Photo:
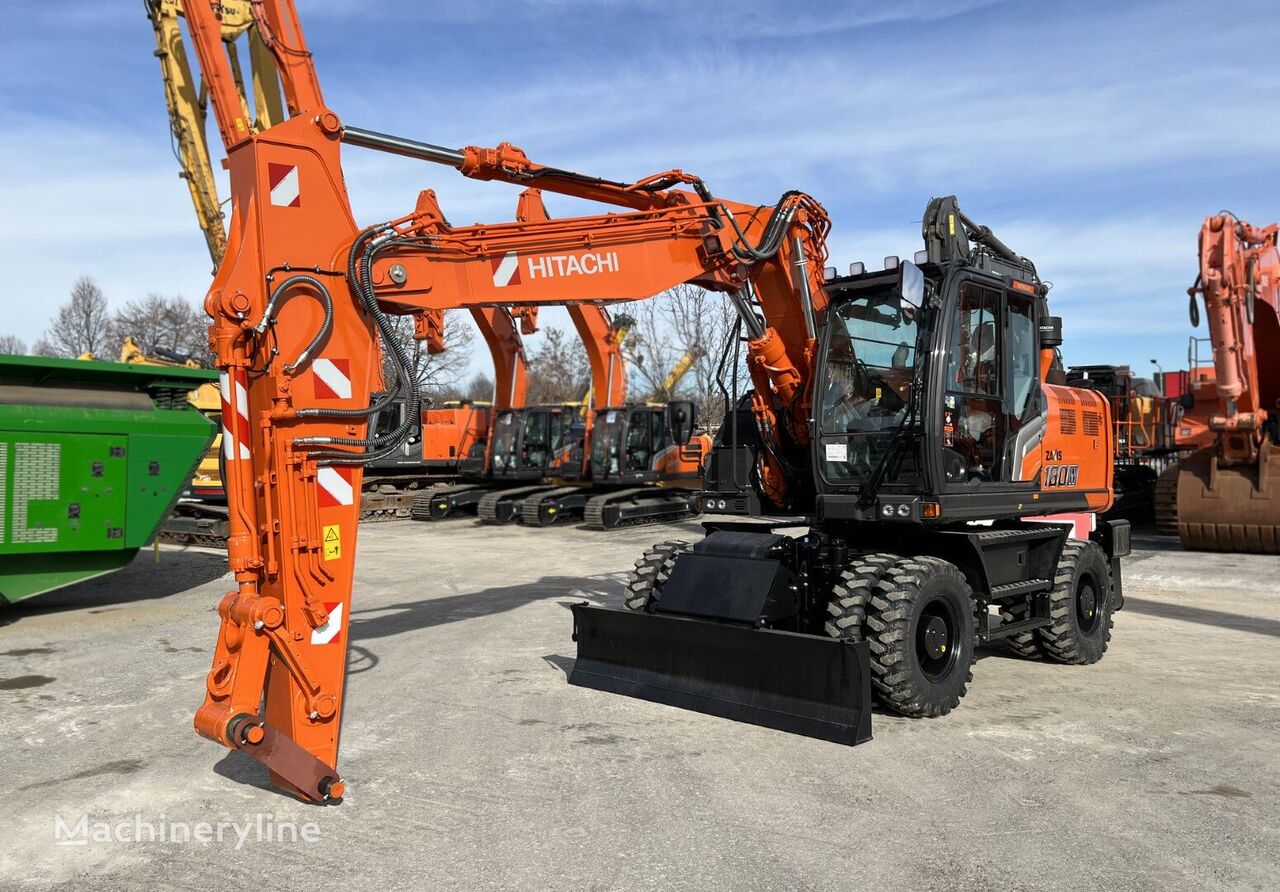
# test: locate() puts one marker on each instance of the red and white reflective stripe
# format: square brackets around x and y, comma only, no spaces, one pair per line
[506,270]
[283,181]
[333,379]
[1081,523]
[333,628]
[337,487]
[235,422]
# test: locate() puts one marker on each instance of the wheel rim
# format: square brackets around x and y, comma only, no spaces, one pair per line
[936,640]
[1088,609]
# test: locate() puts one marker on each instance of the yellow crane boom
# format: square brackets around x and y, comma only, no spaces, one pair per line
[187,101]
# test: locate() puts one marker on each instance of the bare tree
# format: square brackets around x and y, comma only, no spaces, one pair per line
[436,374]
[168,323]
[685,320]
[42,347]
[80,325]
[12,345]
[558,369]
[480,388]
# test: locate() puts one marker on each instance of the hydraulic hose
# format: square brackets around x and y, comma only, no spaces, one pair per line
[278,297]
[359,267]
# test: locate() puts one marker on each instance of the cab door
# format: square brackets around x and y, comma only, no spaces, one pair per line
[639,440]
[991,393]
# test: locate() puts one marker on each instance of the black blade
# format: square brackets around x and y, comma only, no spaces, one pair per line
[804,684]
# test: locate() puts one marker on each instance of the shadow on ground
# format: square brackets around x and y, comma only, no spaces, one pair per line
[409,616]
[1204,616]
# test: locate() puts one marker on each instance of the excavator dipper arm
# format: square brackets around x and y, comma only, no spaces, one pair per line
[300,308]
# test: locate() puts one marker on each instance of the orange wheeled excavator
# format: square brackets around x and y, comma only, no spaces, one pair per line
[899,419]
[1225,496]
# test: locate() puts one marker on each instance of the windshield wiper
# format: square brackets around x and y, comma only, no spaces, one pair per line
[870,489]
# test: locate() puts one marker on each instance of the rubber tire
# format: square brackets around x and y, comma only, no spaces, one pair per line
[892,621]
[851,593]
[653,569]
[1064,641]
[1025,644]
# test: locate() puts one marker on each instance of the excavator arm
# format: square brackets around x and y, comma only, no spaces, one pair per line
[1239,269]
[300,307]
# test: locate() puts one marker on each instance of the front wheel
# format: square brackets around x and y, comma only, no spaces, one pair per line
[644,583]
[1079,605]
[921,632]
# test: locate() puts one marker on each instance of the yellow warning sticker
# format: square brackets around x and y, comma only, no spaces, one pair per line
[332,542]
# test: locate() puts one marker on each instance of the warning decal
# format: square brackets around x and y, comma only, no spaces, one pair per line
[332,378]
[330,630]
[506,269]
[282,179]
[336,487]
[332,542]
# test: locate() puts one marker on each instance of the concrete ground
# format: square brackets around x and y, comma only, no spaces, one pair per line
[471,763]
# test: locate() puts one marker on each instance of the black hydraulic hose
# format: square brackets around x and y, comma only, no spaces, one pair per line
[384,444]
[326,327]
[774,232]
[390,395]
[721,366]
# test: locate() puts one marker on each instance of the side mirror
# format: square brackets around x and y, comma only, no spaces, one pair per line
[1187,401]
[911,284]
[681,418]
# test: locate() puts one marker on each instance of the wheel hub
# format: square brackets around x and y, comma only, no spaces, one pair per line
[937,641]
[1087,606]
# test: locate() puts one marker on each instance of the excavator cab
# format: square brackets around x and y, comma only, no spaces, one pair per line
[981,394]
[641,444]
[533,442]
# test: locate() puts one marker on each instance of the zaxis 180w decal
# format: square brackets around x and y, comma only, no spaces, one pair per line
[1061,475]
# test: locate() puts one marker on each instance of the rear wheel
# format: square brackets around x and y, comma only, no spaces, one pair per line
[851,593]
[1079,605]
[1024,644]
[920,628]
[644,583]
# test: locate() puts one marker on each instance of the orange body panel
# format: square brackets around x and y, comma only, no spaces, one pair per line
[681,464]
[448,434]
[1077,452]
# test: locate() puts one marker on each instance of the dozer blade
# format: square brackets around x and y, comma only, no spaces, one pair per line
[804,684]
[1229,508]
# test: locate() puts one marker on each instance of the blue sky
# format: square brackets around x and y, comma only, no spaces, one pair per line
[1093,137]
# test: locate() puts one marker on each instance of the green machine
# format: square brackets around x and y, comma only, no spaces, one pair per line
[93,456]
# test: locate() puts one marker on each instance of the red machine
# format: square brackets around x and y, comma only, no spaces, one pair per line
[1228,490]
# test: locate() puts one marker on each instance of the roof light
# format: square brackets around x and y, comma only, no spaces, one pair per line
[829,273]
[891,262]
[921,257]
[857,269]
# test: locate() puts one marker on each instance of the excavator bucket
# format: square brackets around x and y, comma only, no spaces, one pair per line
[804,684]
[1230,508]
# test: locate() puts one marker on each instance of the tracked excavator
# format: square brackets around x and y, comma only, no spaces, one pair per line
[898,418]
[1225,495]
